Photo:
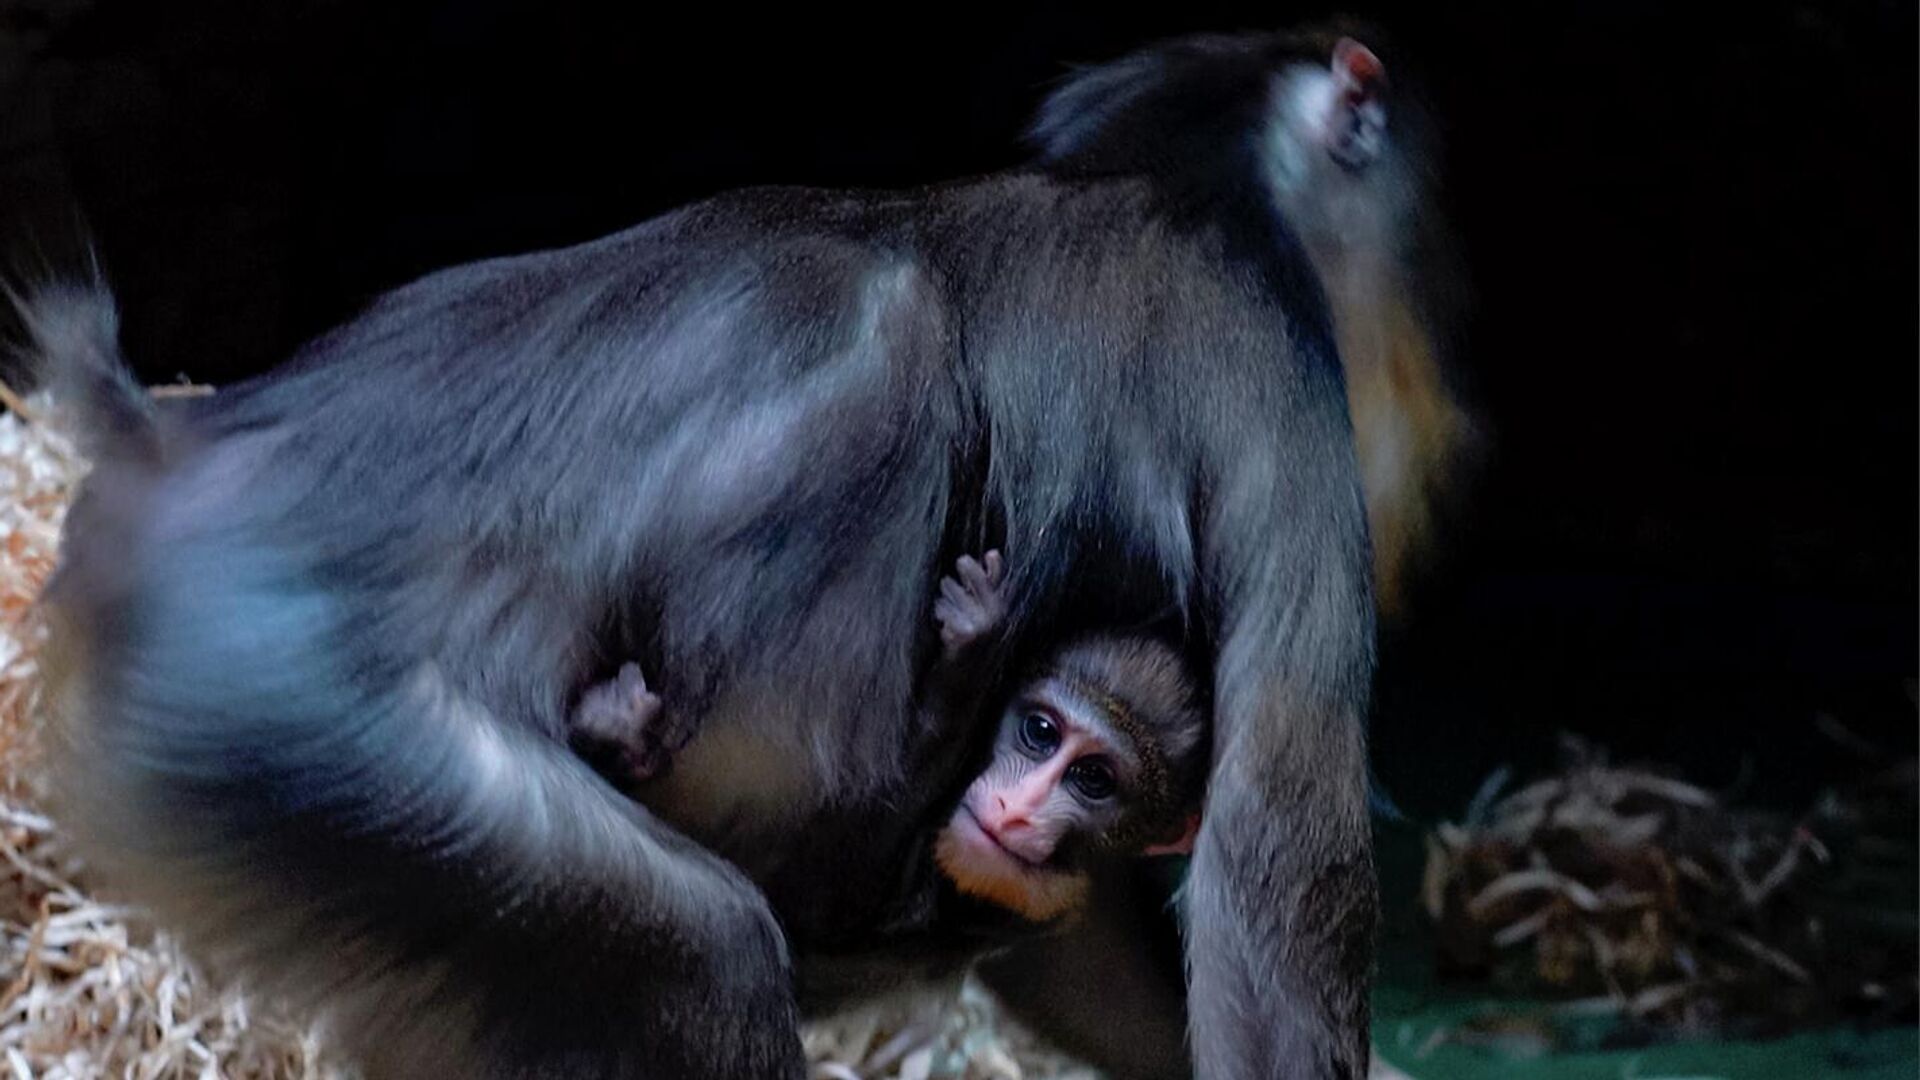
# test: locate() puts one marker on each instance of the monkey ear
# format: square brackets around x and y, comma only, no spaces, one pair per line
[1359,115]
[1181,846]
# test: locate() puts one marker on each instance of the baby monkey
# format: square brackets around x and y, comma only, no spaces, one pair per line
[1097,751]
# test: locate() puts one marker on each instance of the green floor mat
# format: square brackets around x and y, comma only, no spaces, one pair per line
[1424,1039]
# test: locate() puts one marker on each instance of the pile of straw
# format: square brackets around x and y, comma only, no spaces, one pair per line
[1643,896]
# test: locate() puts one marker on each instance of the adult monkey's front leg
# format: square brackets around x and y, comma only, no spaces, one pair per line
[1281,899]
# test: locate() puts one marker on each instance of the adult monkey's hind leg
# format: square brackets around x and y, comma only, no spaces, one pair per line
[455,893]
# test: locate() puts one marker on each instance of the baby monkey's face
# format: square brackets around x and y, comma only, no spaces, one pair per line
[1062,781]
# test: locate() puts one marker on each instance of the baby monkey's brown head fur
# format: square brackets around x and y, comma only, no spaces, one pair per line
[1099,751]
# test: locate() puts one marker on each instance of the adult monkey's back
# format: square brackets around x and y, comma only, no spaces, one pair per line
[318,632]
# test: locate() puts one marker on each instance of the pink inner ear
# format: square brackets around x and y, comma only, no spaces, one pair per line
[1358,70]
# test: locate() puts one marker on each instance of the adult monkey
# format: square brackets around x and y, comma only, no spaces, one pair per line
[319,633]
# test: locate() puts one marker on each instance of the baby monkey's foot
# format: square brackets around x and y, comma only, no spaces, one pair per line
[972,606]
[618,728]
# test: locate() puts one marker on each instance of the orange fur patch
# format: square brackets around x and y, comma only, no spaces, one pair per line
[1040,895]
[1408,433]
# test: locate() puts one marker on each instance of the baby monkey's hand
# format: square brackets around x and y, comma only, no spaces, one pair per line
[971,607]
[619,728]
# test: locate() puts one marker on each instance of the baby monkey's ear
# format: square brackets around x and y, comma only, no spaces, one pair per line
[1183,845]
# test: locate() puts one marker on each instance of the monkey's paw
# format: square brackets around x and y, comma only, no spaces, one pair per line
[620,729]
[972,606]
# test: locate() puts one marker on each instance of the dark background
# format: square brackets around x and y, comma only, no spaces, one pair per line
[1691,239]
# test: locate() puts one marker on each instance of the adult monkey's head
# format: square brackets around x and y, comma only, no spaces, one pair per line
[1315,122]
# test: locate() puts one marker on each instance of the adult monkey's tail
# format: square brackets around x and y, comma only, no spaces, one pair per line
[73,348]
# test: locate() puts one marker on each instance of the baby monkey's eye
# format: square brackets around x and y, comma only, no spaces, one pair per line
[1040,734]
[1093,778]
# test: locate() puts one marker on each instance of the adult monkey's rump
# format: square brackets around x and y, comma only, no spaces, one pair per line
[318,634]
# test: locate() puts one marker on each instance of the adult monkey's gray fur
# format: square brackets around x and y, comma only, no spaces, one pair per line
[318,633]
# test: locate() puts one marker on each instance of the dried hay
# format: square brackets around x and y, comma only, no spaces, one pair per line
[1643,897]
[90,989]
